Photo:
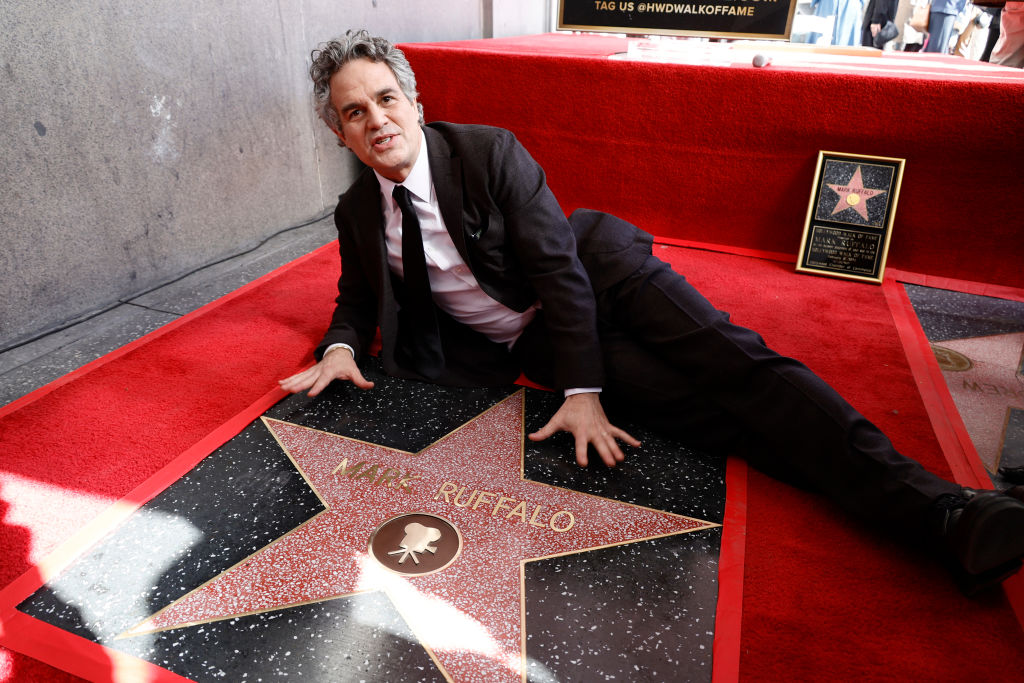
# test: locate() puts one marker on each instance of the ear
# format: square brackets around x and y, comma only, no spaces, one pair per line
[341,136]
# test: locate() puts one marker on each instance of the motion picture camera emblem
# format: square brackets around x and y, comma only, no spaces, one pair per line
[415,544]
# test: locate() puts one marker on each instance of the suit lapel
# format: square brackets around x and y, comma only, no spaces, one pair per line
[446,173]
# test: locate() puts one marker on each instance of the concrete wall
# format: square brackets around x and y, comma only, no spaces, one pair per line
[141,140]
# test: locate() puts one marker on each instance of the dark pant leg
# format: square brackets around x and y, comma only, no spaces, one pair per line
[790,416]
[639,386]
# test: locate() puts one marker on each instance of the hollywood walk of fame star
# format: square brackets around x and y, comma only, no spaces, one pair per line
[985,387]
[469,614]
[854,195]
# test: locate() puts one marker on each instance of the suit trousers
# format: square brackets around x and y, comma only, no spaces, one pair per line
[675,363]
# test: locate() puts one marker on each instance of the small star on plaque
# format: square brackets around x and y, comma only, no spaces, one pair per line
[854,195]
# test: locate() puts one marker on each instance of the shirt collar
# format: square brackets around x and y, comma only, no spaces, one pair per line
[419,180]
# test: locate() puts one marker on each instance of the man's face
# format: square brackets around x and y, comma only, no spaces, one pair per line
[378,122]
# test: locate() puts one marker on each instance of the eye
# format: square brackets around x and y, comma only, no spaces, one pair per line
[388,99]
[354,114]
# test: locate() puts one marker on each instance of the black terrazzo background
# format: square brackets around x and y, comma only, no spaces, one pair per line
[638,612]
[653,603]
[661,474]
[946,315]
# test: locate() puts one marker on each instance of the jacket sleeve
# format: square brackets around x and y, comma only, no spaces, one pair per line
[544,247]
[354,321]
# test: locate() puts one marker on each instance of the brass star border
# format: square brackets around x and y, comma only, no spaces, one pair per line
[470,615]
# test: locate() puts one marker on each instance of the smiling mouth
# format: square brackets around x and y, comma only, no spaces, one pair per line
[383,141]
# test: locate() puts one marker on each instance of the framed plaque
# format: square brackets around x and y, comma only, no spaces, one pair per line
[849,220]
[760,19]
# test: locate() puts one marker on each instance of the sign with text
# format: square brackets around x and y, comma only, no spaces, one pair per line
[764,19]
[849,220]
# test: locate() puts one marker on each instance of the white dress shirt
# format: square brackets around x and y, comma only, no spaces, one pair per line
[454,287]
[452,284]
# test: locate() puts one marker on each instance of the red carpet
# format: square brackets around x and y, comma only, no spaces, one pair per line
[824,599]
[726,154]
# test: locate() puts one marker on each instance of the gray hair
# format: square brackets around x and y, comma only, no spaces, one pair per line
[329,57]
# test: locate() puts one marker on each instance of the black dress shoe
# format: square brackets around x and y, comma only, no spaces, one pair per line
[1014,475]
[984,533]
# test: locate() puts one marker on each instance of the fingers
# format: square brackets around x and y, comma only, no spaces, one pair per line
[584,418]
[625,436]
[299,381]
[545,431]
[322,380]
[310,378]
[606,446]
[360,381]
[581,451]
[552,427]
[339,364]
[316,378]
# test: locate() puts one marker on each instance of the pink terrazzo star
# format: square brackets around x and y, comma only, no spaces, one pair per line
[854,195]
[985,391]
[469,615]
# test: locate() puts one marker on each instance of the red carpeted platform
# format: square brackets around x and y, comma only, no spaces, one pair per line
[721,152]
[822,598]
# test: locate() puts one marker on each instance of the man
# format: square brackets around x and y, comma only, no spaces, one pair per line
[941,20]
[452,244]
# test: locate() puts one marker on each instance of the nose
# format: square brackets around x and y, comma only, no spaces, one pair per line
[376,117]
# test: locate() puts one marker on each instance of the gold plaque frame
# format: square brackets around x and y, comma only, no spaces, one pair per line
[850,216]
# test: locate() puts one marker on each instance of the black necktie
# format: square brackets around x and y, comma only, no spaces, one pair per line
[418,339]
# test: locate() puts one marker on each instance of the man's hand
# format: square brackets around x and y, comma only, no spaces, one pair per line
[336,364]
[583,416]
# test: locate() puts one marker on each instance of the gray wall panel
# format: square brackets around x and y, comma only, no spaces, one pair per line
[142,140]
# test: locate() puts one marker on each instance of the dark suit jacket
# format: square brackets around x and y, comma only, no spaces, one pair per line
[511,232]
